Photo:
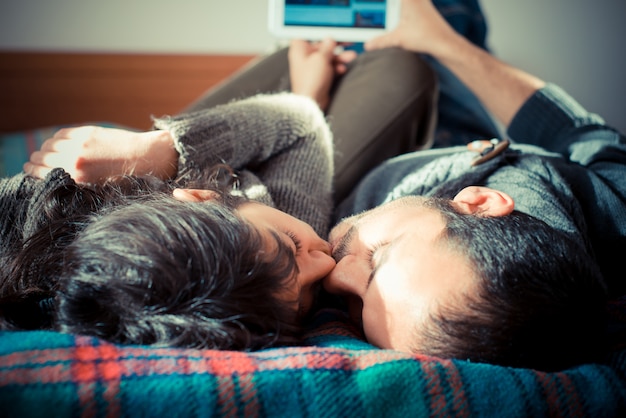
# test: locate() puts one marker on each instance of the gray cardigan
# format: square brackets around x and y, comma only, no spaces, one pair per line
[281,145]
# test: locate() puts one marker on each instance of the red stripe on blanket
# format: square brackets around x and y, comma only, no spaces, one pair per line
[249,396]
[99,370]
[93,361]
[445,387]
[237,396]
[459,400]
[92,406]
[35,358]
[226,396]
[374,357]
[560,394]
[571,395]
[31,373]
[320,358]
[229,363]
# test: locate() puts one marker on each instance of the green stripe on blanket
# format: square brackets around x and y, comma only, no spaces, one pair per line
[44,373]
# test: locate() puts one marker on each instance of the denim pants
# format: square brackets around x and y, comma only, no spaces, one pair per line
[461,116]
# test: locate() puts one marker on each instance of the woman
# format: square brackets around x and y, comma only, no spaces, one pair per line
[212,267]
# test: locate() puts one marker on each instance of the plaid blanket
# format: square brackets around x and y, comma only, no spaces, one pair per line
[337,375]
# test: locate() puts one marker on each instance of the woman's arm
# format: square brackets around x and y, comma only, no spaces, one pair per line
[92,154]
[283,140]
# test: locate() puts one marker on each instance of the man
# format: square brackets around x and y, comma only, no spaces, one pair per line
[488,253]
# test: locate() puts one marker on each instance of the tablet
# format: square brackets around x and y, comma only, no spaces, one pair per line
[341,20]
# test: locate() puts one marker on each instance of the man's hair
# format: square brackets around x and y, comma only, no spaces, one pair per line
[540,299]
[170,273]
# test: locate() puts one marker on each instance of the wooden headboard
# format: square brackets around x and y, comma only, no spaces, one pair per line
[43,89]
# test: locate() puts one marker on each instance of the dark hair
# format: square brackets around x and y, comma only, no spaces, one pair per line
[170,273]
[44,224]
[540,300]
[44,217]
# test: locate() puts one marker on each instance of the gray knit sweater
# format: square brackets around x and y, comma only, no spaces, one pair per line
[575,182]
[280,144]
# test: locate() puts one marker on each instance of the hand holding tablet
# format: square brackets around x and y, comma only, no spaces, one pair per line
[341,20]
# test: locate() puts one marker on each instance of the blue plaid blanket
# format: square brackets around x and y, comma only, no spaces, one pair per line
[335,375]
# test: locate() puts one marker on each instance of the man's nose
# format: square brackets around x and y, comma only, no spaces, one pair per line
[347,278]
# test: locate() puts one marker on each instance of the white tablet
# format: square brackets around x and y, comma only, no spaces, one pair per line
[341,20]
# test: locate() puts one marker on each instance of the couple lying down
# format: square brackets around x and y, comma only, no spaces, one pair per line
[498,256]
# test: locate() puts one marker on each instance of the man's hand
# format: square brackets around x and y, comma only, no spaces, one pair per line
[91,154]
[313,66]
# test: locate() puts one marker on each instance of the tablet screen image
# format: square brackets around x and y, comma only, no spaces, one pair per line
[343,20]
[336,13]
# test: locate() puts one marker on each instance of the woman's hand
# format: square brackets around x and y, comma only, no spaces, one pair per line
[91,154]
[313,66]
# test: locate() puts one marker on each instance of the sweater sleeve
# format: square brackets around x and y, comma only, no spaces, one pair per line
[594,164]
[281,140]
[555,121]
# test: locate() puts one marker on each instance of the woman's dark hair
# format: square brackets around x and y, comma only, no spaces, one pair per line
[170,273]
[540,300]
[130,264]
[42,226]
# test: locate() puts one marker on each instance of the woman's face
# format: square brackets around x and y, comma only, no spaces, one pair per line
[312,253]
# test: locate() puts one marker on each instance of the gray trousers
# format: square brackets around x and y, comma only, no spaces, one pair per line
[385,105]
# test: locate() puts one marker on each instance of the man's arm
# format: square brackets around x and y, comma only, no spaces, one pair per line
[503,89]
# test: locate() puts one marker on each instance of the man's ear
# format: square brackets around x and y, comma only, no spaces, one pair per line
[484,201]
[194,195]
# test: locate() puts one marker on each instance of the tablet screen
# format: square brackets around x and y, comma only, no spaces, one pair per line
[336,13]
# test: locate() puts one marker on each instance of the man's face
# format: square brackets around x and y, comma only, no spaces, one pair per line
[394,269]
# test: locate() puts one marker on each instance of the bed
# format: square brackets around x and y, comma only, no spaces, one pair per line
[333,373]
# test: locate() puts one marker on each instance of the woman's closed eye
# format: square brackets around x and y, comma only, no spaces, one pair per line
[296,241]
